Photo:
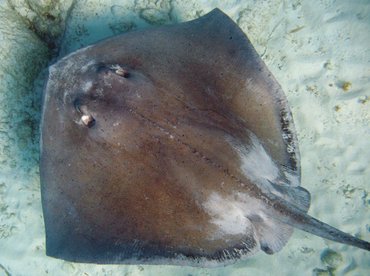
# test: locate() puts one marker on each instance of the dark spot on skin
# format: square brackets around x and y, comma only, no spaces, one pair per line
[266,249]
[100,67]
[50,16]
[255,218]
[77,104]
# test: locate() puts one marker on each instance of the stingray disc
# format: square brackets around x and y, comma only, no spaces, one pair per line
[167,145]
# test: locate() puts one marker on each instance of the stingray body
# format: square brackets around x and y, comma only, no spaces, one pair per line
[170,145]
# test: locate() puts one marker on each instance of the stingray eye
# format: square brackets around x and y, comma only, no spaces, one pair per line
[113,68]
[86,118]
[120,71]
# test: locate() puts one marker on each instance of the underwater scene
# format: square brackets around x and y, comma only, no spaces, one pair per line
[250,120]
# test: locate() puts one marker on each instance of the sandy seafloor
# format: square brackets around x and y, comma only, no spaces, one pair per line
[318,50]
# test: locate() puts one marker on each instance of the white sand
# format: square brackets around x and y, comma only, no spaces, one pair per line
[312,48]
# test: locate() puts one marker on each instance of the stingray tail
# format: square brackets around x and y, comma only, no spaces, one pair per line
[299,219]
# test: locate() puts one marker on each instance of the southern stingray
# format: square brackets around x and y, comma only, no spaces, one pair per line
[171,145]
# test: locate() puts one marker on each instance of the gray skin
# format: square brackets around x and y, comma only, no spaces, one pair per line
[140,130]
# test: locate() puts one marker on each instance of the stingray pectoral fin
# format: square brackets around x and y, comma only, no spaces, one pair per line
[297,218]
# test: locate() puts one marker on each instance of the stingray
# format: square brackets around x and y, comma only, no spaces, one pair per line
[171,145]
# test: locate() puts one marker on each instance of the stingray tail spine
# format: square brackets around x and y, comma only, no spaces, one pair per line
[299,219]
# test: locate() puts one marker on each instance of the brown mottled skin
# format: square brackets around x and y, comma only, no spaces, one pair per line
[130,184]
